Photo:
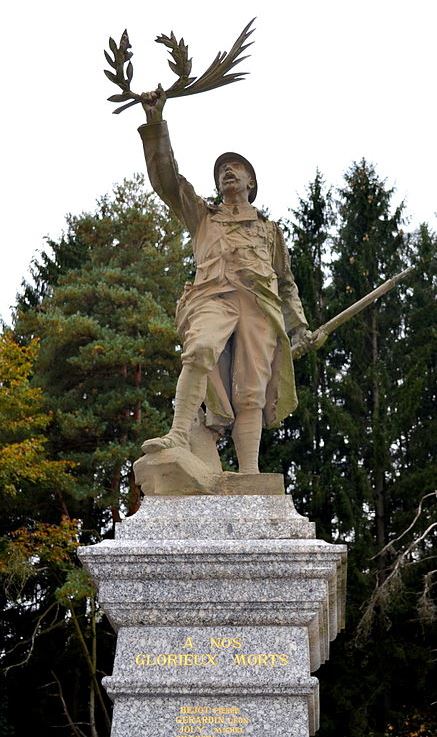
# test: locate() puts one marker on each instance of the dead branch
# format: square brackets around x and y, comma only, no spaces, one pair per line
[381,592]
[31,639]
[75,729]
[410,527]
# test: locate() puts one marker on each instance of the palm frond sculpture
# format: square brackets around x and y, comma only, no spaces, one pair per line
[218,73]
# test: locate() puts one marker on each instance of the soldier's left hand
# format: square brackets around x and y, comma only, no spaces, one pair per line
[301,336]
[319,339]
[300,341]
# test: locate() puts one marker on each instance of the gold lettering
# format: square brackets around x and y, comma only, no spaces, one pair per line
[217,721]
[195,709]
[176,659]
[145,659]
[225,642]
[263,659]
[260,659]
[188,643]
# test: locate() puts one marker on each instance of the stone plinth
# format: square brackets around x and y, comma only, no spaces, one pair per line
[216,518]
[224,606]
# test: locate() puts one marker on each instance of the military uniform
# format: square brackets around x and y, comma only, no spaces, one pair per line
[235,317]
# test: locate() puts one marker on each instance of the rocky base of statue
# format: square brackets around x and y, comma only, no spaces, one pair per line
[224,606]
[176,471]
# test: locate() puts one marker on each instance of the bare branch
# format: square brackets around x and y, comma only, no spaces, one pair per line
[76,730]
[32,639]
[410,527]
[381,592]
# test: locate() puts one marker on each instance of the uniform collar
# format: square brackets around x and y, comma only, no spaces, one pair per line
[235,213]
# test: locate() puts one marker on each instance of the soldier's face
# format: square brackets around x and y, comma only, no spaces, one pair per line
[234,178]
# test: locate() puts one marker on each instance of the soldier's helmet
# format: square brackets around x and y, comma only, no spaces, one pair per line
[232,156]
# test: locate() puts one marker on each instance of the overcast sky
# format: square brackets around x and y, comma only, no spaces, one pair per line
[330,81]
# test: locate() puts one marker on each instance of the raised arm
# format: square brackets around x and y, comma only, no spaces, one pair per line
[162,168]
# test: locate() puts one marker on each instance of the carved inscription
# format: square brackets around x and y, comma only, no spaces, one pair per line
[223,648]
[176,659]
[210,721]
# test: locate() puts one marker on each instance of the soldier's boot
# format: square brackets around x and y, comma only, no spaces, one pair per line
[190,393]
[246,435]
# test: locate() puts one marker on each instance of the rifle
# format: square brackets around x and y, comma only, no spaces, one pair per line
[319,336]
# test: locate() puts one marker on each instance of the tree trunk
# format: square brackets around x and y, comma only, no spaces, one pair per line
[134,499]
[378,453]
[91,667]
[115,488]
[137,379]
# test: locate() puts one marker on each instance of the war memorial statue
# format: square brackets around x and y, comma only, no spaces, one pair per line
[224,600]
[235,319]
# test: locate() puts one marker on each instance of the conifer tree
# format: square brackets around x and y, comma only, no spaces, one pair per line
[108,358]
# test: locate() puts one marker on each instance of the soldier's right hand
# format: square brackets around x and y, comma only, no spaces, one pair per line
[153,104]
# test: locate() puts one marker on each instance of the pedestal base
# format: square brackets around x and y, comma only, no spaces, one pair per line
[224,606]
[211,681]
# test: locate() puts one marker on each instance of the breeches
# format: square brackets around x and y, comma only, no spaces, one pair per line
[212,322]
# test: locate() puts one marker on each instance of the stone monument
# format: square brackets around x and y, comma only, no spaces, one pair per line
[223,599]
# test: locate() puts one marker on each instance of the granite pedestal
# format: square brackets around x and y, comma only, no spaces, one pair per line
[224,606]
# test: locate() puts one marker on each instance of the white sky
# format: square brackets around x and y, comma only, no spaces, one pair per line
[330,81]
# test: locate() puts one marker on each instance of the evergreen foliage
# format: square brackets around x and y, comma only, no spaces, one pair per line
[108,358]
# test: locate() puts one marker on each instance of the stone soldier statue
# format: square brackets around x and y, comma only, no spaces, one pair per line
[235,319]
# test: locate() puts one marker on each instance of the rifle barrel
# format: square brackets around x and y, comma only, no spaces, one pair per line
[364,302]
[297,351]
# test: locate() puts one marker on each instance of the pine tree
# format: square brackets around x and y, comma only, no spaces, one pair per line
[108,359]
